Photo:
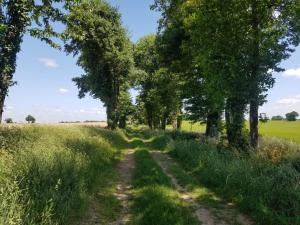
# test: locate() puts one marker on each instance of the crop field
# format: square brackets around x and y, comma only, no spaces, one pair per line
[280,129]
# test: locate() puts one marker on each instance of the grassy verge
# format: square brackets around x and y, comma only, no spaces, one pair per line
[47,173]
[266,189]
[155,201]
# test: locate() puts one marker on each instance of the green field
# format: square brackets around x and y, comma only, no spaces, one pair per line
[281,129]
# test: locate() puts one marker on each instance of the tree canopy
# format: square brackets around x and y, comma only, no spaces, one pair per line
[292,116]
[232,48]
[94,32]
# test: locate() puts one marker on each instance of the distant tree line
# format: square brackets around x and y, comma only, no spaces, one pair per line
[210,60]
[291,116]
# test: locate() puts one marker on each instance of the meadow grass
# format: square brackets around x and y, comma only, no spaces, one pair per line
[47,173]
[267,190]
[155,200]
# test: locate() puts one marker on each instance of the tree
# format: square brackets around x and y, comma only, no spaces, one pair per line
[159,87]
[203,97]
[277,118]
[292,116]
[146,61]
[94,32]
[125,109]
[16,19]
[273,30]
[8,120]
[30,119]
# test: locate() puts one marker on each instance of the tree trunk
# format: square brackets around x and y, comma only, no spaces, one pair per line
[254,95]
[235,109]
[2,100]
[163,124]
[179,122]
[112,121]
[122,123]
[1,108]
[254,123]
[150,120]
[164,120]
[212,124]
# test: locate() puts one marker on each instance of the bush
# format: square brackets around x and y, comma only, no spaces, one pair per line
[46,172]
[268,190]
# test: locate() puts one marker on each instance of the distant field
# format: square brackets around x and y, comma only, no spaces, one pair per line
[282,129]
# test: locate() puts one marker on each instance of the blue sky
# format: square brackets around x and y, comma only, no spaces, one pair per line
[46,91]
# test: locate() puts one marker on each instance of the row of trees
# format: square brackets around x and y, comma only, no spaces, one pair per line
[225,53]
[210,58]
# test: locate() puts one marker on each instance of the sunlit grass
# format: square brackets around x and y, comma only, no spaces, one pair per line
[264,186]
[49,173]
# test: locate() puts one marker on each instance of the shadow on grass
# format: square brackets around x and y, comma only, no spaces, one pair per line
[199,192]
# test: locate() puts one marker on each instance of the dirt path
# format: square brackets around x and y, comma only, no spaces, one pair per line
[125,169]
[207,216]
[92,216]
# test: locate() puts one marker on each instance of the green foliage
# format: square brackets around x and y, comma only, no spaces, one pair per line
[125,108]
[155,201]
[30,119]
[229,59]
[267,190]
[159,87]
[47,172]
[8,120]
[277,118]
[95,33]
[292,116]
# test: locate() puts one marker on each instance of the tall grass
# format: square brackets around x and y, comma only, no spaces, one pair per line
[265,184]
[47,172]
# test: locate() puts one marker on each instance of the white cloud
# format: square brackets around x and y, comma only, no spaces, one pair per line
[63,90]
[47,62]
[288,101]
[92,111]
[292,73]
